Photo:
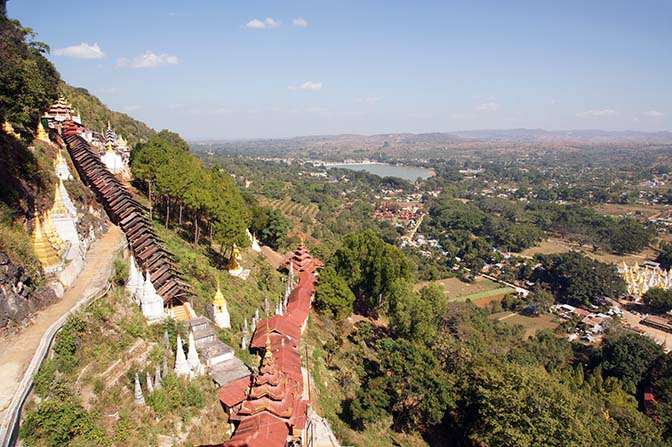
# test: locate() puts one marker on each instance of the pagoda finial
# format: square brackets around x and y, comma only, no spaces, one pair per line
[109,147]
[108,125]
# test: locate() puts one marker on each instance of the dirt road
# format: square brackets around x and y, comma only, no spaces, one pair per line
[17,351]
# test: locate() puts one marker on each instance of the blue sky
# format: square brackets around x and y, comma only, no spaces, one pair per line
[248,69]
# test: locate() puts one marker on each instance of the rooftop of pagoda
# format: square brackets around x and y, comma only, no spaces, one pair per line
[302,260]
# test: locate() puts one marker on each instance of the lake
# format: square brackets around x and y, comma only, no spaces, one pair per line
[410,173]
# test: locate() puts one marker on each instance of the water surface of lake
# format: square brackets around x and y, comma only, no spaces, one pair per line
[410,173]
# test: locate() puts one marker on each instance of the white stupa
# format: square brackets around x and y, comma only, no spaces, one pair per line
[182,368]
[151,303]
[61,167]
[194,362]
[253,241]
[112,161]
[135,281]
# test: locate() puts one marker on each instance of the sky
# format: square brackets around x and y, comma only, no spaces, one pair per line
[230,69]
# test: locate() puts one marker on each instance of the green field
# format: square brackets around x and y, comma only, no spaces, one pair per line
[484,294]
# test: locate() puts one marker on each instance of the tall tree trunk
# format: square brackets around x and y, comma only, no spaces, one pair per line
[211,231]
[195,229]
[180,222]
[167,210]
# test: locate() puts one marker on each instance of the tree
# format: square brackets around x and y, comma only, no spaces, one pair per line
[629,236]
[28,81]
[333,297]
[576,278]
[369,266]
[665,256]
[628,357]
[406,382]
[658,298]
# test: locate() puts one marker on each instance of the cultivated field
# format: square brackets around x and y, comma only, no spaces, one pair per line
[290,208]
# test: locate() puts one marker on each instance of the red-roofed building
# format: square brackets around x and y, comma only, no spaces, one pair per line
[272,412]
[233,394]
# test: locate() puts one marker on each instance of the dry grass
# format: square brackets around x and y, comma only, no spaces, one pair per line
[555,245]
[456,288]
[530,324]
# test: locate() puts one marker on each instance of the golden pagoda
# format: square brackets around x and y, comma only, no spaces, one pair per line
[52,235]
[220,313]
[41,134]
[43,250]
[59,208]
[9,129]
[219,302]
[234,264]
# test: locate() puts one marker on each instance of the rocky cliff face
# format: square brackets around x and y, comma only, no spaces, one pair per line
[18,300]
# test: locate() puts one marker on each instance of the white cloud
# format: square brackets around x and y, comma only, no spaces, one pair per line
[132,108]
[597,113]
[489,106]
[172,14]
[269,22]
[370,99]
[315,109]
[148,60]
[81,51]
[300,22]
[654,114]
[308,85]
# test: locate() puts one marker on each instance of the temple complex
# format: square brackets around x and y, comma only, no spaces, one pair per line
[640,279]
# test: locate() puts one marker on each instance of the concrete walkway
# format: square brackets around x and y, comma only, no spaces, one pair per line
[17,351]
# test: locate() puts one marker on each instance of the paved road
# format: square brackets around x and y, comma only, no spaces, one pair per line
[17,351]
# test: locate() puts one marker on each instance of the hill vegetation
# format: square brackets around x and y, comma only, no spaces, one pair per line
[96,115]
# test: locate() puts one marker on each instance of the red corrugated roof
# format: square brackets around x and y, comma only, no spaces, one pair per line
[234,392]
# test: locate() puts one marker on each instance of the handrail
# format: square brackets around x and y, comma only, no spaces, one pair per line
[9,426]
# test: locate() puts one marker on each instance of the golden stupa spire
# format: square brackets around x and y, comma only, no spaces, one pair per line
[41,134]
[43,250]
[219,299]
[59,208]
[50,232]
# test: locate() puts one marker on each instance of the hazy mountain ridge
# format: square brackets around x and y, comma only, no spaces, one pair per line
[403,144]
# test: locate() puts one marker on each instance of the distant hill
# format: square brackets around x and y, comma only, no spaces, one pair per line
[429,145]
[95,115]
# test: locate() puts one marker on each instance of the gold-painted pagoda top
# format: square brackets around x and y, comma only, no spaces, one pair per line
[219,299]
[59,208]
